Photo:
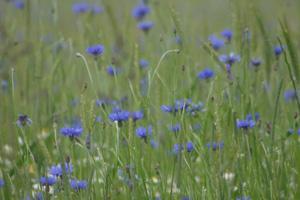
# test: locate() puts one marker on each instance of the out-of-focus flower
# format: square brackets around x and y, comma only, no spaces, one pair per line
[216,42]
[145,26]
[205,74]
[140,11]
[23,120]
[95,50]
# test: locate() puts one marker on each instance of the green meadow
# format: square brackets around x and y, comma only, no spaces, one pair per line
[149,99]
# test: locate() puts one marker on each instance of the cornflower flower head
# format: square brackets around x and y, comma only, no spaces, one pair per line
[189,146]
[118,115]
[153,144]
[206,74]
[195,107]
[227,34]
[137,115]
[4,85]
[78,184]
[145,26]
[278,50]
[143,63]
[215,145]
[57,170]
[175,128]
[182,104]
[47,181]
[113,71]
[290,95]
[143,132]
[167,109]
[245,124]
[177,148]
[95,50]
[23,120]
[255,62]
[230,59]
[216,42]
[96,9]
[2,183]
[140,11]
[73,131]
[82,7]
[19,4]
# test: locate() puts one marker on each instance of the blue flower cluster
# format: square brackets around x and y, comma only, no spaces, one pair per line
[177,148]
[139,12]
[83,7]
[248,122]
[183,105]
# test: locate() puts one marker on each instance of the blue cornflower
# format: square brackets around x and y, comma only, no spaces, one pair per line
[106,102]
[178,40]
[227,34]
[229,59]
[57,170]
[278,49]
[299,131]
[72,131]
[95,50]
[195,107]
[47,181]
[189,146]
[119,115]
[215,145]
[153,144]
[143,132]
[81,7]
[137,115]
[39,196]
[19,4]
[256,62]
[98,119]
[113,71]
[1,182]
[96,9]
[175,128]
[216,42]
[245,124]
[290,95]
[143,63]
[4,85]
[140,11]
[78,184]
[182,104]
[249,117]
[205,74]
[166,108]
[23,120]
[177,148]
[145,26]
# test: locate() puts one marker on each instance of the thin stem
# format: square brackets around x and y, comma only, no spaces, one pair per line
[88,69]
[158,65]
